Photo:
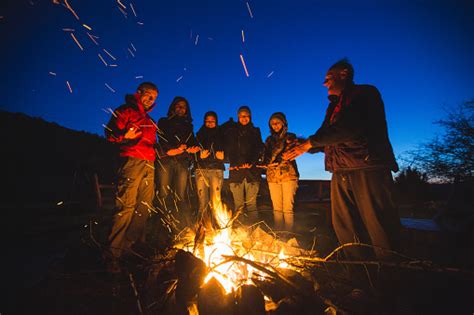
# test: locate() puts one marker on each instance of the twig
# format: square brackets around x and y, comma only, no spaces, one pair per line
[365,245]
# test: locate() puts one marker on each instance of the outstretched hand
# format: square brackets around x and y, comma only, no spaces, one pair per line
[204,154]
[132,133]
[192,150]
[177,151]
[297,151]
[220,155]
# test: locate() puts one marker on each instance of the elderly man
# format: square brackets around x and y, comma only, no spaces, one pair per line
[358,152]
[134,131]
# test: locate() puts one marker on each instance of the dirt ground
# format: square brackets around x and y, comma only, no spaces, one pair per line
[53,268]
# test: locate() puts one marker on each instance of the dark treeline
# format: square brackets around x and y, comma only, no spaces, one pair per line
[44,161]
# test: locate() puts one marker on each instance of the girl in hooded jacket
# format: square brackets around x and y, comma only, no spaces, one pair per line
[209,170]
[282,175]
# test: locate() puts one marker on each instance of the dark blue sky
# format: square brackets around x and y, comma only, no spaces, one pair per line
[418,53]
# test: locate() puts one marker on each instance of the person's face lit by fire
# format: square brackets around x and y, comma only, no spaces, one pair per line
[276,124]
[180,108]
[210,122]
[335,81]
[147,97]
[244,118]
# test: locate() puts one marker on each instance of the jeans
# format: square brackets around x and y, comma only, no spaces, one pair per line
[209,185]
[245,194]
[283,197]
[172,183]
[134,197]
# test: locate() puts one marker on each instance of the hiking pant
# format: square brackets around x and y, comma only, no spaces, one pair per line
[208,184]
[283,197]
[134,196]
[245,194]
[363,211]
[172,182]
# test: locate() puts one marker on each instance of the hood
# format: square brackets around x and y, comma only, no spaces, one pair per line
[279,116]
[213,114]
[172,105]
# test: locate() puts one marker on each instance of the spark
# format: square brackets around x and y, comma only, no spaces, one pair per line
[197,39]
[140,23]
[243,37]
[179,79]
[243,64]
[123,12]
[60,203]
[108,86]
[69,30]
[150,166]
[190,134]
[270,74]
[131,53]
[250,10]
[121,4]
[210,38]
[87,26]
[110,55]
[92,37]
[71,9]
[161,164]
[139,77]
[106,127]
[77,42]
[112,112]
[69,86]
[105,63]
[133,9]
[133,47]
[161,137]
[113,65]
[52,73]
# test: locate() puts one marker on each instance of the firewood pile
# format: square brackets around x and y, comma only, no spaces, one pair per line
[272,278]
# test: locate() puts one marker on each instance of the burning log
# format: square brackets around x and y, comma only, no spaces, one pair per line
[191,272]
[213,300]
[249,301]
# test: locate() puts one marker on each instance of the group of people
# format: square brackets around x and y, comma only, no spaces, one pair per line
[353,137]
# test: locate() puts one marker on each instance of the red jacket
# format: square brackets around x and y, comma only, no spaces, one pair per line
[133,114]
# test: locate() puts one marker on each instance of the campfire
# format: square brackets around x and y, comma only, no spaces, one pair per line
[233,268]
[218,247]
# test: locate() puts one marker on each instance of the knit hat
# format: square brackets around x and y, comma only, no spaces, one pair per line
[244,108]
[210,113]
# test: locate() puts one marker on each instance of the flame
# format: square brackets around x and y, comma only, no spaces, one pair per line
[228,242]
[229,274]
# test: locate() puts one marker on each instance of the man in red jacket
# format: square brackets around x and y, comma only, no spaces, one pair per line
[358,152]
[134,131]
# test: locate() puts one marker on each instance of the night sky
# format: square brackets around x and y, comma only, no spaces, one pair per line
[420,55]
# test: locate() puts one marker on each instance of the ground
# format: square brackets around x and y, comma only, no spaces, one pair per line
[54,268]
